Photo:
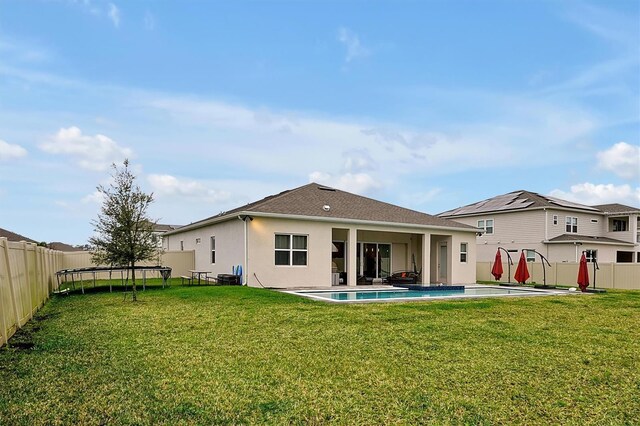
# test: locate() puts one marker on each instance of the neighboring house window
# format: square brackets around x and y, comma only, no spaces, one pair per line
[571,224]
[486,226]
[618,225]
[594,220]
[198,240]
[555,219]
[291,250]
[181,245]
[591,255]
[463,252]
[531,256]
[213,249]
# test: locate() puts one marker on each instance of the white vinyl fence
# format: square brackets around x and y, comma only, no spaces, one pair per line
[611,275]
[27,278]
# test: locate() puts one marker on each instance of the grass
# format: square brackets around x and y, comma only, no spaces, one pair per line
[235,355]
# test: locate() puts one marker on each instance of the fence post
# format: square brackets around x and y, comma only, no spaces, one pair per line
[28,278]
[3,322]
[12,290]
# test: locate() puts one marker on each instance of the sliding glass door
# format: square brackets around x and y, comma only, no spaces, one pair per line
[374,260]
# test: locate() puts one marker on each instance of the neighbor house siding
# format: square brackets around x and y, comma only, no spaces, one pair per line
[514,230]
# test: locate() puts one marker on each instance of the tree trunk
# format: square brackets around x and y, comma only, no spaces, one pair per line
[134,296]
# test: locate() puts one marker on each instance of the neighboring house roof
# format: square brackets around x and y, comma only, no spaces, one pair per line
[516,200]
[12,236]
[312,200]
[56,245]
[616,208]
[573,238]
[159,227]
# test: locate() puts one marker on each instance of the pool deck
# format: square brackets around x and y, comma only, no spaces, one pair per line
[526,292]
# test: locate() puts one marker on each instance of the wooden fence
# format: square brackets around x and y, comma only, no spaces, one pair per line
[611,275]
[27,278]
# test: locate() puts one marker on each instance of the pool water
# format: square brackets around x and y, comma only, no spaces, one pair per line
[404,294]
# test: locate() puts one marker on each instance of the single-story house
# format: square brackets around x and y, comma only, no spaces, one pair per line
[317,236]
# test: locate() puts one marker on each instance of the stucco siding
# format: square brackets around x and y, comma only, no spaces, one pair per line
[229,237]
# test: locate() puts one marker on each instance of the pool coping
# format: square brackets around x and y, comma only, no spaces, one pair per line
[530,292]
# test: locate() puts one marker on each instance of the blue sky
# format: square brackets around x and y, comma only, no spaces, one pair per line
[429,105]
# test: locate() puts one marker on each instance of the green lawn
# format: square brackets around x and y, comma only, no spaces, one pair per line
[234,355]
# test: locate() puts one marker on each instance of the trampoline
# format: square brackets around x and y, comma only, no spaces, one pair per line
[78,274]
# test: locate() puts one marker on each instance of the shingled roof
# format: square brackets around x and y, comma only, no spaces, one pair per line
[12,236]
[516,200]
[315,200]
[573,238]
[616,208]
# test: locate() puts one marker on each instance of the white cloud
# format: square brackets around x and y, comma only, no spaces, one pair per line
[351,42]
[592,194]
[114,14]
[622,159]
[96,197]
[96,152]
[171,186]
[11,151]
[358,183]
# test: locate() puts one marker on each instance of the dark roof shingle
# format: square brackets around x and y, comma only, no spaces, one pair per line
[616,208]
[311,200]
[12,236]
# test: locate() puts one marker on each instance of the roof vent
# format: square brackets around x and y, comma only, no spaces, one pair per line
[326,207]
[326,188]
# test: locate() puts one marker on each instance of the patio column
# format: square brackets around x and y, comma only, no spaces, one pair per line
[426,259]
[352,244]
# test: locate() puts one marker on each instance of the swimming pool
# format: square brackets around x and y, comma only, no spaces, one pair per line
[402,294]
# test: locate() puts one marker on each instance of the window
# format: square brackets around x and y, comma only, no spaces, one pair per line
[624,256]
[555,219]
[594,220]
[571,224]
[591,255]
[618,225]
[463,252]
[213,249]
[181,245]
[531,256]
[198,240]
[486,226]
[291,250]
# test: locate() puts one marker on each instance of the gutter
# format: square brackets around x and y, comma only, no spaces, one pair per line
[608,243]
[224,218]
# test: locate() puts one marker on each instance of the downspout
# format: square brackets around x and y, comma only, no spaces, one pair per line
[245,273]
[245,267]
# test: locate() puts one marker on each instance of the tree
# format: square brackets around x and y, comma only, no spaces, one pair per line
[123,232]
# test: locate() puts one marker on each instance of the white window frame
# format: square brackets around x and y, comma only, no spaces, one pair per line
[181,245]
[212,246]
[571,224]
[555,219]
[198,240]
[482,224]
[531,258]
[621,221]
[292,250]
[464,252]
[591,255]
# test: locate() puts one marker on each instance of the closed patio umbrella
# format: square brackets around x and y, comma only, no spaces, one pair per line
[497,271]
[522,272]
[583,274]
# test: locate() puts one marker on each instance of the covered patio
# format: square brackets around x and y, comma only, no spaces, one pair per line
[368,256]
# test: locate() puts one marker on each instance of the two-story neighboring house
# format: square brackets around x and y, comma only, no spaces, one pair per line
[561,230]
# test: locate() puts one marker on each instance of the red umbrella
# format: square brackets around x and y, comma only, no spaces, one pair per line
[583,274]
[496,271]
[522,273]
